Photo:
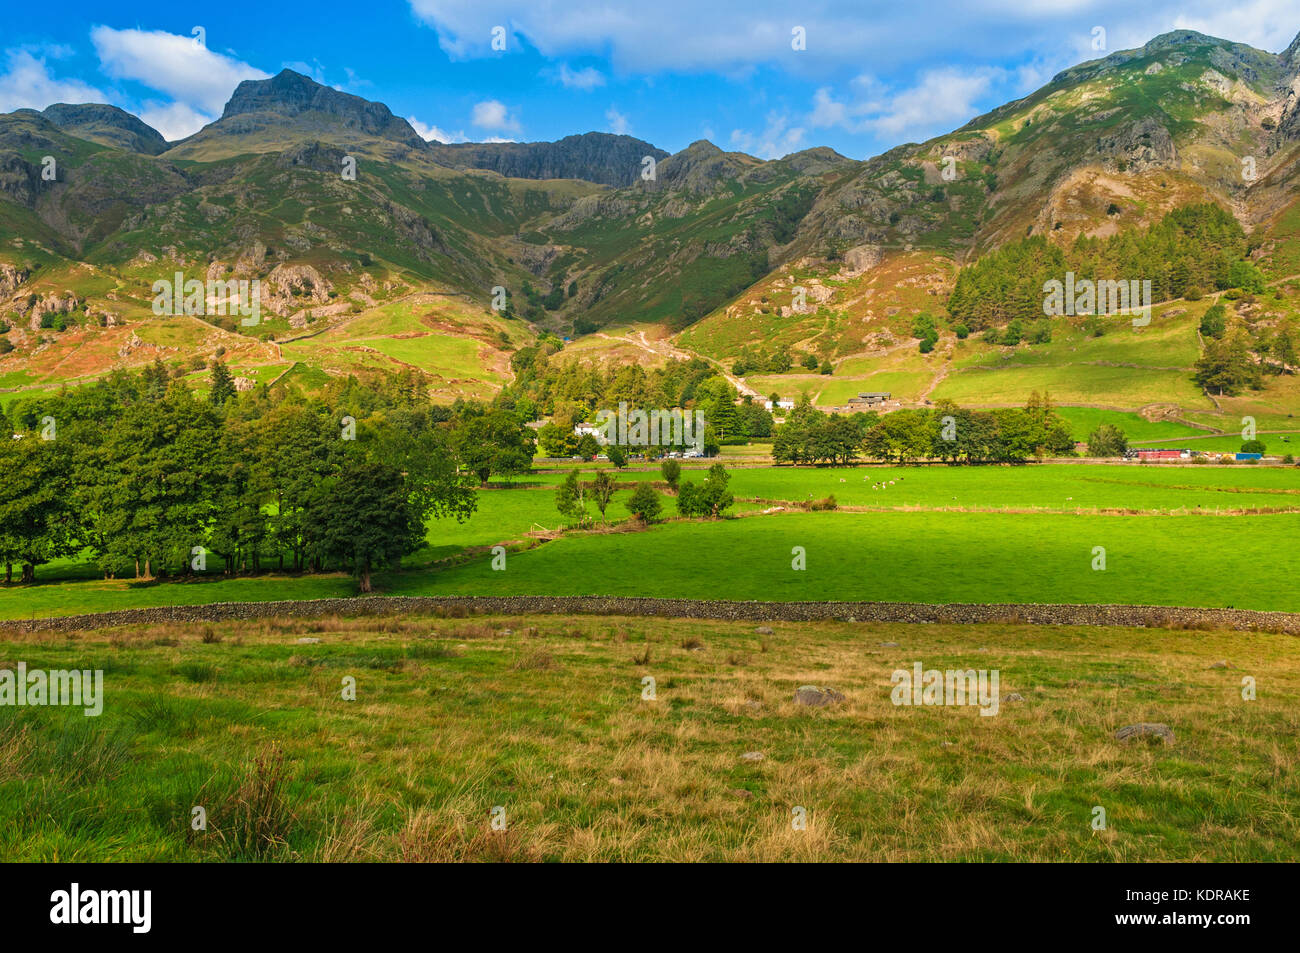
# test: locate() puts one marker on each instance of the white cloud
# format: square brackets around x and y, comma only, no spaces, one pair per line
[586,79]
[726,36]
[618,123]
[492,115]
[777,139]
[28,83]
[434,133]
[174,65]
[940,100]
[174,120]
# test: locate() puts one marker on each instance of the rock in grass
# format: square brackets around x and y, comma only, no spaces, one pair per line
[1148,731]
[752,756]
[817,697]
[763,630]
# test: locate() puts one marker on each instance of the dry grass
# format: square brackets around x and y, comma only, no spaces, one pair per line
[545,718]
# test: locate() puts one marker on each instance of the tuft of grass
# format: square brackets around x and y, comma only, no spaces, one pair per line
[534,660]
[197,672]
[255,819]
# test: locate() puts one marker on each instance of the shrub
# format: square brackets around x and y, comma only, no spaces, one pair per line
[1107,441]
[672,472]
[1215,321]
[645,504]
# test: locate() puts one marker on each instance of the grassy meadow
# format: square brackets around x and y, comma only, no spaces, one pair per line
[1172,535]
[544,718]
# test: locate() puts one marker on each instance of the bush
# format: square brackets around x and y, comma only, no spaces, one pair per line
[1214,322]
[645,504]
[1107,441]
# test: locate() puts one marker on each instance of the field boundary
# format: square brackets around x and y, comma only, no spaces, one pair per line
[1167,617]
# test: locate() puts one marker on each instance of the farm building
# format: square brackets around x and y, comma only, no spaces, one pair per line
[872,399]
[1148,454]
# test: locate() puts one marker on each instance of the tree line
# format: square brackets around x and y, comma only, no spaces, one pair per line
[1193,250]
[945,432]
[151,479]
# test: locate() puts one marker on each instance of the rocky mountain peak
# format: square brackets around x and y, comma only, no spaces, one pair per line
[107,125]
[292,94]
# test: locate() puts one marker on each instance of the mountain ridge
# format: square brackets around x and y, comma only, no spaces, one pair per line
[714,241]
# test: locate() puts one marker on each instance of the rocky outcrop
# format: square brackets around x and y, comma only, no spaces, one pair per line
[861,259]
[19,179]
[594,156]
[291,287]
[11,276]
[1139,146]
[52,303]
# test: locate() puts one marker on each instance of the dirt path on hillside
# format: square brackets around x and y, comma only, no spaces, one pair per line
[663,349]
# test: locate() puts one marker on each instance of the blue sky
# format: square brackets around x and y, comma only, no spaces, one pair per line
[870,75]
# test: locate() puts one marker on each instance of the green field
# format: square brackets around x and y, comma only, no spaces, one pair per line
[1173,535]
[544,719]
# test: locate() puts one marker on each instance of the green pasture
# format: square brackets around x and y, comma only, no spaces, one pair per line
[988,534]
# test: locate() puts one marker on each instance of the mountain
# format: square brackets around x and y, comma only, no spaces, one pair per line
[594,157]
[706,245]
[106,125]
[269,115]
